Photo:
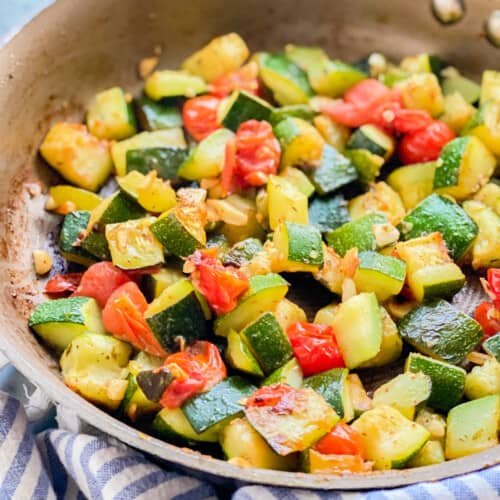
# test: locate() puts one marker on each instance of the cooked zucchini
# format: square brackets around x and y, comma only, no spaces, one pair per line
[242,252]
[333,133]
[373,139]
[367,164]
[483,380]
[490,86]
[361,402]
[422,91]
[285,202]
[315,462]
[434,423]
[166,161]
[457,112]
[328,212]
[240,357]
[492,346]
[299,179]
[74,225]
[455,83]
[422,63]
[302,111]
[154,115]
[167,83]
[287,313]
[241,107]
[333,78]
[489,195]
[290,374]
[430,454]
[69,197]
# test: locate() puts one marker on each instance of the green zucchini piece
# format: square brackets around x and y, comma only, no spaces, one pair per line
[333,171]
[110,116]
[310,417]
[118,207]
[464,165]
[485,125]
[334,387]
[243,106]
[372,139]
[239,440]
[358,233]
[81,158]
[240,357]
[448,381]
[290,373]
[287,313]
[242,252]
[305,57]
[300,247]
[95,243]
[360,400]
[490,86]
[467,88]
[489,194]
[268,342]
[433,422]
[457,112]
[413,183]
[94,366]
[302,111]
[439,213]
[220,404]
[382,274]
[334,78]
[483,380]
[390,439]
[153,382]
[441,331]
[431,453]
[177,312]
[367,164]
[287,82]
[299,179]
[172,425]
[154,115]
[75,223]
[155,283]
[357,324]
[406,392]
[165,160]
[422,63]
[167,83]
[328,213]
[207,158]
[172,137]
[263,295]
[59,321]
[472,427]
[422,91]
[492,346]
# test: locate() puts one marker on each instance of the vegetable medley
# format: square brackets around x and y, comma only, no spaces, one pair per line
[376,179]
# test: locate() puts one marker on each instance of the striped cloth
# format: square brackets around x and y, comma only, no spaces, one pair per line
[57,464]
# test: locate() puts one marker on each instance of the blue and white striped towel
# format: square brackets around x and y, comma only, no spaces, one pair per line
[64,465]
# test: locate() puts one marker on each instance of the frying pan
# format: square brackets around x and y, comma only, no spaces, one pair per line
[73,49]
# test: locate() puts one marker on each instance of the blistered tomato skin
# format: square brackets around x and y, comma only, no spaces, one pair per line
[199,115]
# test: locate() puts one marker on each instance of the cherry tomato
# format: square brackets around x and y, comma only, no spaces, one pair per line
[63,283]
[123,316]
[494,282]
[245,78]
[425,144]
[488,316]
[228,180]
[100,281]
[220,285]
[408,121]
[199,115]
[270,395]
[341,440]
[195,370]
[315,347]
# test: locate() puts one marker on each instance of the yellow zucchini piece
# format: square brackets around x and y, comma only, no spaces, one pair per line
[156,195]
[287,313]
[285,202]
[167,83]
[422,91]
[69,196]
[246,208]
[489,194]
[485,125]
[490,86]
[457,111]
[333,133]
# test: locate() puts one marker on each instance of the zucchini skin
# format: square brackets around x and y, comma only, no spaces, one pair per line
[166,161]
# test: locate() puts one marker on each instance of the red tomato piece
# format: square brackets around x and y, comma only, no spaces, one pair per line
[408,121]
[315,347]
[195,370]
[270,395]
[123,316]
[494,282]
[488,316]
[63,283]
[220,285]
[199,115]
[245,78]
[341,440]
[425,144]
[100,281]
[228,180]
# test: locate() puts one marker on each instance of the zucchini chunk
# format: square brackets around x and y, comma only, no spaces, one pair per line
[328,213]
[165,160]
[389,438]
[303,111]
[241,107]
[430,270]
[490,86]
[489,195]
[430,454]
[264,294]
[422,63]
[239,440]
[78,199]
[358,233]
[333,171]
[242,252]
[457,112]
[485,125]
[287,82]
[167,83]
[422,91]
[448,381]
[153,382]
[176,312]
[290,374]
[220,56]
[413,183]
[492,346]
[219,405]
[240,357]
[173,137]
[75,223]
[367,164]
[357,324]
[360,400]
[333,133]
[78,156]
[334,387]
[299,247]
[155,283]
[171,425]
[268,342]
[285,202]
[154,115]
[434,423]
[287,313]
[373,139]
[382,274]
[406,393]
[59,321]
[439,213]
[483,380]
[95,366]
[207,158]
[310,417]
[299,179]
[132,245]
[111,116]
[441,331]
[472,427]
[486,247]
[466,88]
